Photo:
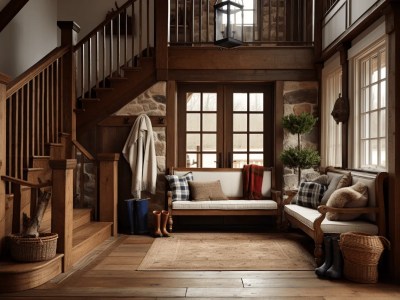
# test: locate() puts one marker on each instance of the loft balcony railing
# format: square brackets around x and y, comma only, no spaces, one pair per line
[266,22]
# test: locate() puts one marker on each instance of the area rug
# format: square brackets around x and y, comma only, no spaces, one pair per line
[228,251]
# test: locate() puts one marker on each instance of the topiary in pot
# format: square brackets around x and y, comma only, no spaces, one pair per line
[296,157]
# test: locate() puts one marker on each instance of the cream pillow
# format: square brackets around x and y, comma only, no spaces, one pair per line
[205,191]
[352,196]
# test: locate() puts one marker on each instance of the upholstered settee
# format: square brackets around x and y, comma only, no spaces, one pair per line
[231,183]
[314,222]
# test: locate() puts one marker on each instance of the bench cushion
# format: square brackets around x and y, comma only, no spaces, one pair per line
[307,216]
[226,204]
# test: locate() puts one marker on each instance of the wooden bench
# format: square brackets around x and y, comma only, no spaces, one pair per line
[232,185]
[313,221]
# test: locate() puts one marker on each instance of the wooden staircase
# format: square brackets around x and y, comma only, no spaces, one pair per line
[118,92]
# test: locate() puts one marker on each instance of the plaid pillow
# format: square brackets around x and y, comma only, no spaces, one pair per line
[179,186]
[310,194]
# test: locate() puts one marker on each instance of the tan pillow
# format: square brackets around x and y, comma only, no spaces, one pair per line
[352,196]
[344,181]
[204,191]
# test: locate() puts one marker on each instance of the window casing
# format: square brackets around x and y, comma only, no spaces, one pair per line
[370,120]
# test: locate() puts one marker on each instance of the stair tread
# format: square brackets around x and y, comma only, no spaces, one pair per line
[78,212]
[34,169]
[84,232]
[40,156]
[12,267]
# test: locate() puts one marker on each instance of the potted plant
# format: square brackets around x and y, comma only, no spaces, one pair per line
[299,157]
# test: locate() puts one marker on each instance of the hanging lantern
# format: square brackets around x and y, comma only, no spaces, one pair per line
[228,23]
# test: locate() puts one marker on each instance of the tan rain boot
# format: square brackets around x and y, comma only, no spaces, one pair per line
[164,221]
[157,223]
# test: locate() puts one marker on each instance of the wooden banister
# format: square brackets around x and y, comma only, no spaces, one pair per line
[35,70]
[83,150]
[26,183]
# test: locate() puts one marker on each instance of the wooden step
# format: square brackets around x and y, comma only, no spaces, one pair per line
[87,237]
[89,100]
[40,161]
[82,216]
[38,175]
[17,276]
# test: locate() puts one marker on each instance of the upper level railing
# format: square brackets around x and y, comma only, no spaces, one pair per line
[266,22]
[118,42]
[328,4]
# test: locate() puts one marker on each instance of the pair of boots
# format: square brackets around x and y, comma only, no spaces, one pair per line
[160,223]
[333,265]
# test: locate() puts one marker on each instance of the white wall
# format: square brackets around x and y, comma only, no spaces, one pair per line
[28,37]
[86,13]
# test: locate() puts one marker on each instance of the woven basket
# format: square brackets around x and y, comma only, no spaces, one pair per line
[33,249]
[361,253]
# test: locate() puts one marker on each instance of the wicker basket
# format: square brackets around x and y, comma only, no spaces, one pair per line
[361,253]
[33,249]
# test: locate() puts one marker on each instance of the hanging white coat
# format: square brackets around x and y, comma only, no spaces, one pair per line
[139,151]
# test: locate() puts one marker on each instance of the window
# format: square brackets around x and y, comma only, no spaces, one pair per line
[224,125]
[370,119]
[331,146]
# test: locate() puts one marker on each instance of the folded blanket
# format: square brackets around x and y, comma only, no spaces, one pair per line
[252,181]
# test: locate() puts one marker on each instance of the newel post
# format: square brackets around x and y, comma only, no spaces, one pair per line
[69,37]
[62,207]
[3,81]
[108,189]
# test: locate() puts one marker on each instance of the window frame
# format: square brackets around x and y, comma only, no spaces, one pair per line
[367,53]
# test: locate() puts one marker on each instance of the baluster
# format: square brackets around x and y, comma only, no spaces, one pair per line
[177,21]
[47,108]
[111,48]
[27,125]
[200,19]
[20,142]
[10,147]
[140,29]
[57,100]
[133,33]
[104,56]
[277,22]
[37,138]
[51,105]
[119,45]
[33,122]
[61,108]
[42,115]
[83,72]
[184,21]
[269,20]
[97,59]
[89,68]
[15,126]
[126,39]
[148,28]
[208,21]
[192,21]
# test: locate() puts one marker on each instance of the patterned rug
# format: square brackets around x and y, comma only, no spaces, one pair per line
[228,251]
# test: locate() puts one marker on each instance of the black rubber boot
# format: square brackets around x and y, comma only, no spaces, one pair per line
[335,271]
[320,271]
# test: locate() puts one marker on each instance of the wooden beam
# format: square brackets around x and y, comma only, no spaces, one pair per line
[393,159]
[127,121]
[62,207]
[161,38]
[245,58]
[278,130]
[3,148]
[108,189]
[69,36]
[172,138]
[10,11]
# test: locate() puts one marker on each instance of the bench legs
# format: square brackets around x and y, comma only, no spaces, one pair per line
[170,221]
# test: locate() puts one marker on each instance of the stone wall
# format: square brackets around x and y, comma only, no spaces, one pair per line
[300,97]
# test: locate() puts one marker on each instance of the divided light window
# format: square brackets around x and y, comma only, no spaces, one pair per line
[224,125]
[372,110]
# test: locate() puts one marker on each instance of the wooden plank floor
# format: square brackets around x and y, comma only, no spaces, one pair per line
[109,272]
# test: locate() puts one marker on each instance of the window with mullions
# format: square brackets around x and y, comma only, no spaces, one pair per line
[224,125]
[372,107]
[201,130]
[248,128]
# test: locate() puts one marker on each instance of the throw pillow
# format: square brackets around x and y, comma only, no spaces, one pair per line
[321,179]
[204,191]
[352,196]
[179,186]
[332,186]
[344,181]
[310,194]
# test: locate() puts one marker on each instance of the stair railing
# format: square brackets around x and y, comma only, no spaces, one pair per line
[34,112]
[120,41]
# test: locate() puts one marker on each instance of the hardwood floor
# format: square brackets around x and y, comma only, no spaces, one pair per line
[109,272]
